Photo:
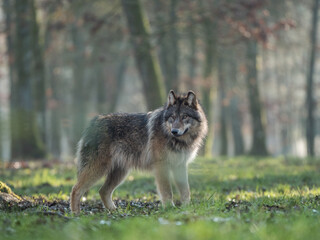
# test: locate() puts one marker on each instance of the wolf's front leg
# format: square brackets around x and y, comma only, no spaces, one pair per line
[180,175]
[162,176]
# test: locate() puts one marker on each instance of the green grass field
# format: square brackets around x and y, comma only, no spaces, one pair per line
[232,198]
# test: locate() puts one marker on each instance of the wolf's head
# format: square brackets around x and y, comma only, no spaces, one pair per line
[184,116]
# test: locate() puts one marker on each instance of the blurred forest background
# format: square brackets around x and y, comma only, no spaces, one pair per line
[252,63]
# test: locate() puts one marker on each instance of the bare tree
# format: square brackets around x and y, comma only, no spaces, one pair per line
[168,41]
[210,70]
[80,93]
[310,123]
[27,142]
[145,59]
[222,79]
[258,128]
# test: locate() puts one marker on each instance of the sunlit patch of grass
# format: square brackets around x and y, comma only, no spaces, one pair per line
[232,198]
[37,181]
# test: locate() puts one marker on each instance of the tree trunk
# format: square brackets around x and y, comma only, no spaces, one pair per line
[102,105]
[168,42]
[173,49]
[53,120]
[310,124]
[39,87]
[8,7]
[223,108]
[27,142]
[120,76]
[234,111]
[79,87]
[193,51]
[210,70]
[147,64]
[161,26]
[236,127]
[258,128]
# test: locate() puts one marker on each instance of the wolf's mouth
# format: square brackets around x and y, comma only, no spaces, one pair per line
[179,135]
[185,131]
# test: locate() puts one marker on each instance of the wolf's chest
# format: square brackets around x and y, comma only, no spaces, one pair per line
[180,157]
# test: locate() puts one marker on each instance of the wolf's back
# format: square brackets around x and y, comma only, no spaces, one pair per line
[127,133]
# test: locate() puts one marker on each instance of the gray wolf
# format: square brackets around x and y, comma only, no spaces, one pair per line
[163,141]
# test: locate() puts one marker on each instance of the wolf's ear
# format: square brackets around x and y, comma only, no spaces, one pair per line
[192,99]
[171,98]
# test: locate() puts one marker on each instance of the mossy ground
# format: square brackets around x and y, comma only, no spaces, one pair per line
[232,198]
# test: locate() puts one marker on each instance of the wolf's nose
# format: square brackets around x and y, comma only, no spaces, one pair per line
[174,131]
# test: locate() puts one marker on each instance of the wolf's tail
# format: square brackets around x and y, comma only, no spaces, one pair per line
[78,158]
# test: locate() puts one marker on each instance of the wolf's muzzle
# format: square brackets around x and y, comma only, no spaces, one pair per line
[177,133]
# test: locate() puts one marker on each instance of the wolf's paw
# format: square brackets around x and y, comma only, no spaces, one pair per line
[185,202]
[75,213]
[75,210]
[111,207]
[168,204]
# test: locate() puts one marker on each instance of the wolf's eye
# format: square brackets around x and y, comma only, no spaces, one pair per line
[184,117]
[171,119]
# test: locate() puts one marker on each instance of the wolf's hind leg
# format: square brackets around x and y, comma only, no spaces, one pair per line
[86,178]
[114,179]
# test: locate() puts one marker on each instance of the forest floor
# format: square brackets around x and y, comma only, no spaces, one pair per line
[232,198]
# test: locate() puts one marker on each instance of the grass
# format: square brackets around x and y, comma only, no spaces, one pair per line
[236,198]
